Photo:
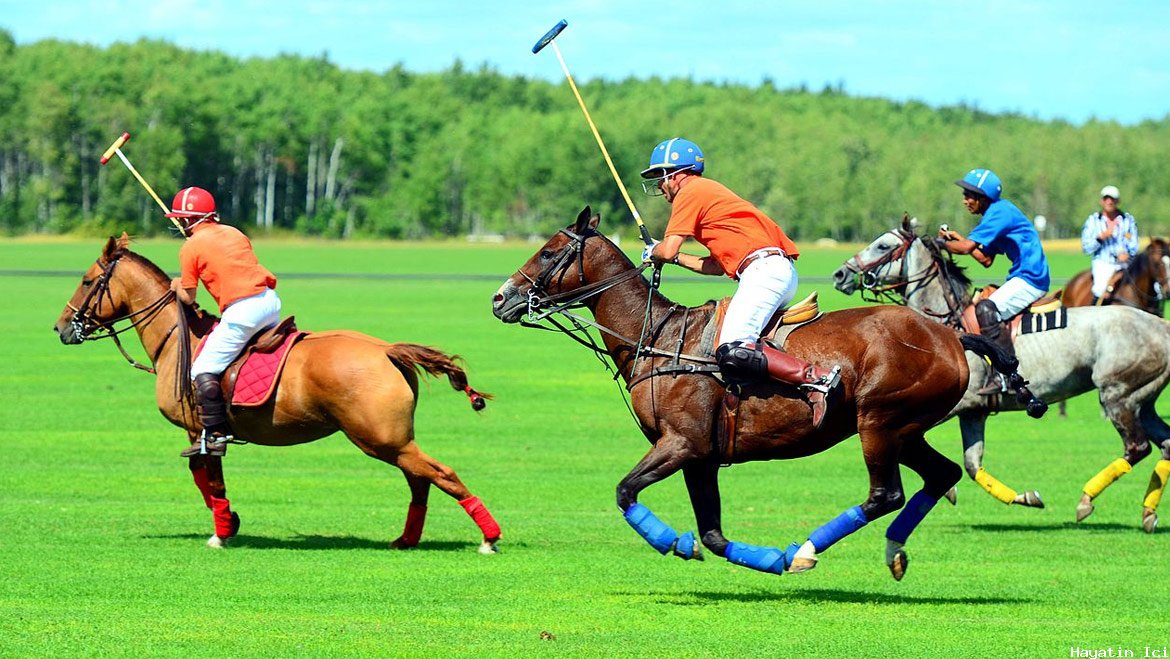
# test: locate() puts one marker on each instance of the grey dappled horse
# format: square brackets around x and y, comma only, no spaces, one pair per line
[1122,352]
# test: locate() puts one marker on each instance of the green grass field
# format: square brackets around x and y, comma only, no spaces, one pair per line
[103,530]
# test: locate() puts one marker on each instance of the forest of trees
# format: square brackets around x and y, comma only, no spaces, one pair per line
[297,144]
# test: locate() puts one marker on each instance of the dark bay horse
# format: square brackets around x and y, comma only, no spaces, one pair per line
[1143,282]
[1118,350]
[901,374]
[337,380]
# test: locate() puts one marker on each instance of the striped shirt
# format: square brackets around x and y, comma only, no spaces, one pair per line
[1123,241]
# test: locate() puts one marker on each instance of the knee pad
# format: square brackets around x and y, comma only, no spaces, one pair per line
[987,313]
[737,360]
[208,387]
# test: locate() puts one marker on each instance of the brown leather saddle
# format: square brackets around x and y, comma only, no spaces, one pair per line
[779,326]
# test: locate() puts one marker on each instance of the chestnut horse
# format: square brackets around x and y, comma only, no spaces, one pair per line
[1118,350]
[337,380]
[900,375]
[1143,282]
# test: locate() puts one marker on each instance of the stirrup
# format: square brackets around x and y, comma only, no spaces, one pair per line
[995,386]
[825,383]
[208,444]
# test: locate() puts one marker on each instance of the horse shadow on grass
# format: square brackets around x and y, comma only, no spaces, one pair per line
[702,597]
[321,543]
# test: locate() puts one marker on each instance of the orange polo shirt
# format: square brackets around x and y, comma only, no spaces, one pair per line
[221,257]
[727,225]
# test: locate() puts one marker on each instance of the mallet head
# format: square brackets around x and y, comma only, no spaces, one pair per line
[550,35]
[114,147]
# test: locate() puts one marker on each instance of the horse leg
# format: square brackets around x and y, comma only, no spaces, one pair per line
[666,457]
[418,465]
[972,426]
[885,495]
[207,471]
[1126,420]
[702,480]
[939,475]
[416,513]
[1158,429]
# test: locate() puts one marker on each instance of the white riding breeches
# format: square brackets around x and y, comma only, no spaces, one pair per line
[242,320]
[767,284]
[1014,296]
[1102,270]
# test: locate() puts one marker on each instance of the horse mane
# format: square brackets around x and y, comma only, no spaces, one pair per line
[951,270]
[198,319]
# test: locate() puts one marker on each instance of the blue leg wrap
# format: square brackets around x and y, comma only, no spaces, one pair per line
[908,520]
[685,547]
[837,528]
[659,535]
[764,559]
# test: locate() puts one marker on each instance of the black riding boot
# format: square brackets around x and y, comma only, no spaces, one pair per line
[213,416]
[746,362]
[990,326]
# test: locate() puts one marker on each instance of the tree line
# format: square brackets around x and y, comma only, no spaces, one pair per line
[297,144]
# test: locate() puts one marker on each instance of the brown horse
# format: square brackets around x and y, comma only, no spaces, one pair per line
[901,374]
[337,380]
[1142,284]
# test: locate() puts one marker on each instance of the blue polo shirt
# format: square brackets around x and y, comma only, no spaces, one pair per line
[1005,230]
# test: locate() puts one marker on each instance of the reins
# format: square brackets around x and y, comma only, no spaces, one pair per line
[90,329]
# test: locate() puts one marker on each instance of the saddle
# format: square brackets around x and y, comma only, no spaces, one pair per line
[252,376]
[778,327]
[1047,313]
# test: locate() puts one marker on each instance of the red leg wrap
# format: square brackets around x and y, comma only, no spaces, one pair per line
[204,484]
[415,517]
[221,511]
[483,519]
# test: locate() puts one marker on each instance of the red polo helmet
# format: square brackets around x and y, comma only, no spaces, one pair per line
[191,203]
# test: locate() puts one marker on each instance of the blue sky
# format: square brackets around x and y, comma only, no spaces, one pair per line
[1071,60]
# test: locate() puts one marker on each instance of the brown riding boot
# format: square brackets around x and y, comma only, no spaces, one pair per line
[213,415]
[817,383]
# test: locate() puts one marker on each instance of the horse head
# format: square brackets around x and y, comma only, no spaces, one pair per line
[880,265]
[559,275]
[94,305]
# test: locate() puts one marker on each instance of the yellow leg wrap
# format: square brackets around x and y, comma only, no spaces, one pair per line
[1157,484]
[994,487]
[1098,483]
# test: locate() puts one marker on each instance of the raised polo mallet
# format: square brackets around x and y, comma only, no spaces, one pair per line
[548,39]
[116,147]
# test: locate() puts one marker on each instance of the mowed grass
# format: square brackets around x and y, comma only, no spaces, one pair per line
[103,530]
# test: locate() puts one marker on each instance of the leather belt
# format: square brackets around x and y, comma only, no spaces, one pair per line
[758,254]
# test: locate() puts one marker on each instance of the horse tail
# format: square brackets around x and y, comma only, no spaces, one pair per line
[414,357]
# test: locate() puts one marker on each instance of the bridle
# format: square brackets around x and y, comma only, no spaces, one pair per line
[544,306]
[874,287]
[88,327]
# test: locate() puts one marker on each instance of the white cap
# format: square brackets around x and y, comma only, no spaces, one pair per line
[1111,191]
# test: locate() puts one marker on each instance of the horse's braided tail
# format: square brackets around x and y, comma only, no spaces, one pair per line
[436,362]
[1001,360]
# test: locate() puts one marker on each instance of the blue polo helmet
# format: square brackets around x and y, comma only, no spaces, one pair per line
[982,182]
[672,155]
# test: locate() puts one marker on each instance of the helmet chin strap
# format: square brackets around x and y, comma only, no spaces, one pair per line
[207,216]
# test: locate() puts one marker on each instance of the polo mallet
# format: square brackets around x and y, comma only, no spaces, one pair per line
[116,147]
[548,39]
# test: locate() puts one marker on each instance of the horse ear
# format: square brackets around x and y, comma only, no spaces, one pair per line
[124,241]
[907,223]
[110,249]
[586,221]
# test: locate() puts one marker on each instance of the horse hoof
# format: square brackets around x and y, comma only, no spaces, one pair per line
[1084,509]
[235,525]
[801,564]
[488,547]
[216,542]
[1030,499]
[899,564]
[1149,520]
[401,543]
[952,496]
